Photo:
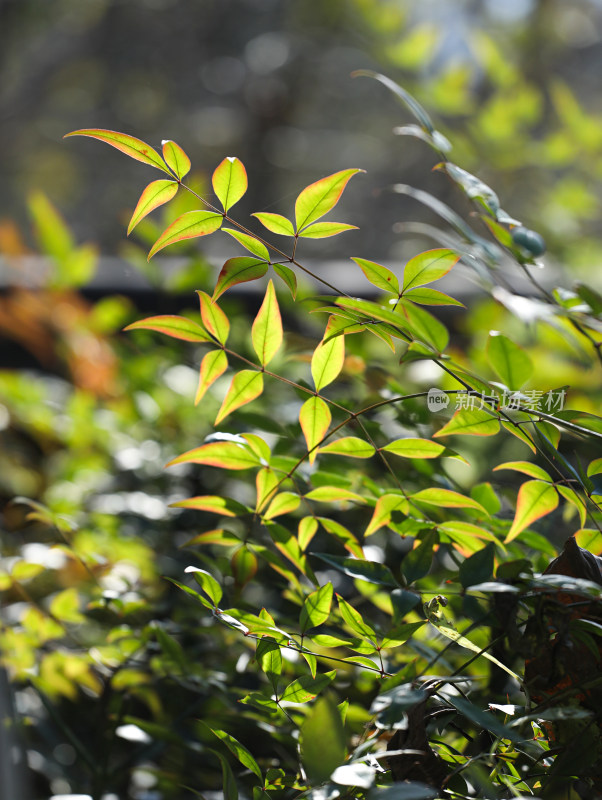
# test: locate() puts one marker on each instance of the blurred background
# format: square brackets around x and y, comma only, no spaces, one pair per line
[88,416]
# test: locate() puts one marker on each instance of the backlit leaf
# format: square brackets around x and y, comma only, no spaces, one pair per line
[457,529]
[328,358]
[314,419]
[354,619]
[349,446]
[447,499]
[379,276]
[275,223]
[238,270]
[229,181]
[156,194]
[594,467]
[374,311]
[342,533]
[190,225]
[535,500]
[237,750]
[213,365]
[477,422]
[207,583]
[414,448]
[321,230]
[306,531]
[172,325]
[369,571]
[525,467]
[429,266]
[282,503]
[215,503]
[175,158]
[333,494]
[520,433]
[266,484]
[426,296]
[287,275]
[226,455]
[246,386]
[510,361]
[269,658]
[266,332]
[135,148]
[213,317]
[318,198]
[316,608]
[384,508]
[252,244]
[306,688]
[320,754]
[406,98]
[424,326]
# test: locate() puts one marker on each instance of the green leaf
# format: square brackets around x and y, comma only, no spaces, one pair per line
[238,270]
[237,749]
[275,223]
[478,568]
[171,325]
[447,499]
[406,98]
[385,506]
[287,275]
[282,503]
[417,563]
[379,276]
[190,225]
[316,608]
[175,158]
[269,659]
[213,365]
[426,296]
[356,622]
[314,418]
[306,688]
[225,455]
[135,148]
[320,197]
[458,531]
[373,311]
[321,754]
[207,583]
[65,606]
[251,243]
[306,531]
[321,230]
[229,789]
[424,326]
[266,332]
[414,448]
[594,467]
[349,446]
[510,361]
[328,358]
[156,194]
[525,467]
[535,500]
[470,422]
[334,494]
[369,571]
[224,506]
[246,386]
[229,181]
[428,267]
[484,719]
[343,534]
[213,317]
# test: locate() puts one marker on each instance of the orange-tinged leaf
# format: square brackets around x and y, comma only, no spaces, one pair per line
[414,448]
[477,422]
[238,270]
[230,181]
[350,446]
[175,158]
[226,455]
[520,433]
[333,494]
[314,419]
[282,503]
[447,499]
[535,500]
[190,225]
[172,325]
[135,148]
[275,223]
[385,506]
[219,505]
[306,531]
[246,386]
[214,319]
[379,276]
[266,483]
[318,198]
[156,194]
[428,267]
[571,496]
[525,467]
[456,529]
[328,357]
[251,243]
[266,332]
[214,364]
[287,275]
[321,230]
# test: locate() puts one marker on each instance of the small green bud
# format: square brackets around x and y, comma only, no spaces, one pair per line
[528,240]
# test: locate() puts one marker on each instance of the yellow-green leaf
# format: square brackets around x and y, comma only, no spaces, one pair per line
[190,225]
[175,158]
[535,500]
[510,361]
[275,223]
[229,181]
[525,467]
[287,275]
[447,499]
[172,325]
[318,198]
[282,503]
[333,494]
[251,243]
[306,531]
[156,194]
[350,446]
[477,422]
[384,508]
[520,433]
[215,503]
[214,319]
[65,606]
[428,267]
[226,455]
[266,332]
[246,386]
[135,148]
[266,483]
[414,448]
[431,297]
[238,270]
[328,357]
[571,496]
[214,364]
[321,230]
[379,276]
[594,467]
[314,419]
